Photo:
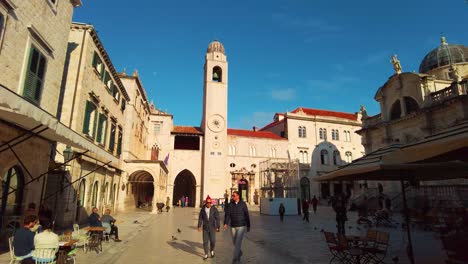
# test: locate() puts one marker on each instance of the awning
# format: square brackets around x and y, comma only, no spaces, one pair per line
[442,156]
[17,110]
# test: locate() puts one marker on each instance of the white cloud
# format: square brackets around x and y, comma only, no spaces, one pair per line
[258,119]
[285,94]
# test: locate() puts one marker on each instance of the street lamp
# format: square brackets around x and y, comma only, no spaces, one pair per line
[67,153]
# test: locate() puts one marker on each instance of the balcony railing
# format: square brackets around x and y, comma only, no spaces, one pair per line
[444,94]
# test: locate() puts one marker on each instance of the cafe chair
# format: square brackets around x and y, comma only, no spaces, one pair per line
[338,252]
[44,255]
[107,231]
[13,258]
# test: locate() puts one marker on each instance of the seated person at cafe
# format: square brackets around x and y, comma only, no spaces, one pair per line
[23,241]
[108,220]
[94,218]
[47,239]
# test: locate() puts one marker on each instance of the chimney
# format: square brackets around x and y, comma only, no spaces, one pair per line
[254,128]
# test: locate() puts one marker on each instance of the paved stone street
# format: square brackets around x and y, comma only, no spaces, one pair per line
[150,240]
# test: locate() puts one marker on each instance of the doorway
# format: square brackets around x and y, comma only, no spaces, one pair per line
[184,185]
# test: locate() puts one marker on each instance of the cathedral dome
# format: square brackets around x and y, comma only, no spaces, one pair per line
[444,55]
[215,46]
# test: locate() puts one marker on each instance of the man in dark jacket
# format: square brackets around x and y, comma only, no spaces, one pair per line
[237,216]
[209,220]
[23,240]
[94,219]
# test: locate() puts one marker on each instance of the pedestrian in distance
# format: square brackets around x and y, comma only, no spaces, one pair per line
[282,210]
[237,217]
[341,217]
[182,201]
[314,204]
[208,221]
[186,201]
[305,209]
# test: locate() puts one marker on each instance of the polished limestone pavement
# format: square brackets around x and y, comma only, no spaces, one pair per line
[148,238]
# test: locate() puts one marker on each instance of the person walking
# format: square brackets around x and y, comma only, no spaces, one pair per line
[237,217]
[282,210]
[182,201]
[305,209]
[208,220]
[314,204]
[341,217]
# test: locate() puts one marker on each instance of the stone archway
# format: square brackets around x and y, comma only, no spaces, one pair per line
[305,189]
[185,185]
[141,190]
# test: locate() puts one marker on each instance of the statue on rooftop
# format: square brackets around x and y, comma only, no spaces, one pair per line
[396,64]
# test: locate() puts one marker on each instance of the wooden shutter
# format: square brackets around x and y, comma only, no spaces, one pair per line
[34,75]
[88,110]
[112,138]
[95,60]
[119,143]
[99,128]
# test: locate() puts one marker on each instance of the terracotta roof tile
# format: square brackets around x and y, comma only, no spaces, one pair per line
[318,112]
[187,130]
[272,124]
[256,134]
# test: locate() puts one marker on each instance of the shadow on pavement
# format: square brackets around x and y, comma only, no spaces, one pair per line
[193,244]
[187,248]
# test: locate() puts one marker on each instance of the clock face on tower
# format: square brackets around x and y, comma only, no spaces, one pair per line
[216,123]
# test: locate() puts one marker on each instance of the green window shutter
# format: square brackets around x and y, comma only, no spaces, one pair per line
[87,116]
[99,128]
[119,143]
[112,138]
[34,75]
[95,60]
[105,131]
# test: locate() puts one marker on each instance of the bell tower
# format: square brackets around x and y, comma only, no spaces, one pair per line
[214,122]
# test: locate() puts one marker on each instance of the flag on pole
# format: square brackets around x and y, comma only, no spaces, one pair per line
[166,160]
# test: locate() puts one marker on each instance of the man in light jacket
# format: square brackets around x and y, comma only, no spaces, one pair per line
[209,220]
[237,216]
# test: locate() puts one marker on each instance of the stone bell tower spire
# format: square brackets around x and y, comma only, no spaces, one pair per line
[214,122]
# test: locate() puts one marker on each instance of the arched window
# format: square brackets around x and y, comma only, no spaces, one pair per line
[411,104]
[324,157]
[349,156]
[81,193]
[217,74]
[395,111]
[336,157]
[94,196]
[305,157]
[12,181]
[253,151]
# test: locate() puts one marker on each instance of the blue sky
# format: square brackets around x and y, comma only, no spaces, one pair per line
[282,54]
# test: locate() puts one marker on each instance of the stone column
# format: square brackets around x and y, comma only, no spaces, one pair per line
[198,198]
[155,198]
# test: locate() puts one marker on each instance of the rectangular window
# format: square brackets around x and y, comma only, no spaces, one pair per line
[123,106]
[34,75]
[119,142]
[97,64]
[89,123]
[112,137]
[107,80]
[157,128]
[102,129]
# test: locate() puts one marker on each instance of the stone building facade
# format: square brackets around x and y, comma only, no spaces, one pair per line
[321,141]
[32,57]
[94,104]
[418,105]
